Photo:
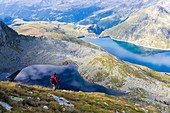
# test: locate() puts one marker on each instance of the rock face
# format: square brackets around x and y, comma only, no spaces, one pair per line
[7,35]
[93,65]
[148,27]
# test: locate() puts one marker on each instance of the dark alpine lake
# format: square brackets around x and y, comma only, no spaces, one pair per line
[156,59]
[69,77]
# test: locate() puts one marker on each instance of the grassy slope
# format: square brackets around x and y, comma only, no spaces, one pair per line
[40,27]
[84,102]
[148,27]
[157,75]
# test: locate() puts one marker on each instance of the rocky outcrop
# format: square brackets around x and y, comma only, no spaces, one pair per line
[8,36]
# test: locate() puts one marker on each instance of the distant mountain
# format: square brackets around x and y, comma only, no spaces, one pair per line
[148,27]
[104,13]
[94,65]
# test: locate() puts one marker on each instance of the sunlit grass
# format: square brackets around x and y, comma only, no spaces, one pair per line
[84,102]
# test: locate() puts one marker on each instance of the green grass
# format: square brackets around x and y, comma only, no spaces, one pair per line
[84,102]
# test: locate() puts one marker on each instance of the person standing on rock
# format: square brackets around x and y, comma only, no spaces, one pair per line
[54,81]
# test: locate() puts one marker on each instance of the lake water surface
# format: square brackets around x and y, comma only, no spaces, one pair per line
[156,59]
[69,77]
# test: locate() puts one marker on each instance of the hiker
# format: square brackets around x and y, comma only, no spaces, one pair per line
[54,81]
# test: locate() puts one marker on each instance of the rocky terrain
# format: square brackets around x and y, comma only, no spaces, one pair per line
[148,27]
[8,37]
[94,65]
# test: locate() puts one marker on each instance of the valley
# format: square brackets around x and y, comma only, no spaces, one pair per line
[116,52]
[94,65]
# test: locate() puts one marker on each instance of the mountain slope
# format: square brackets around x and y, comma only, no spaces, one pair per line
[36,97]
[94,65]
[148,27]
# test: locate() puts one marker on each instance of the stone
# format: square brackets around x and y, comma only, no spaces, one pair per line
[106,104]
[7,106]
[19,87]
[62,101]
[64,109]
[137,104]
[23,109]
[38,98]
[69,109]
[45,107]
[30,92]
[127,105]
[146,111]
[136,109]
[29,97]
[30,108]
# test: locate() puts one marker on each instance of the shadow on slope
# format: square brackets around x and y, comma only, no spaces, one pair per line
[69,76]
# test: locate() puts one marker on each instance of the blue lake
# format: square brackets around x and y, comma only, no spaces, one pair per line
[156,59]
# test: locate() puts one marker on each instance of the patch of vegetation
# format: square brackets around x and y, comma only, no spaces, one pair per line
[16,48]
[84,102]
[66,62]
[138,96]
[117,81]
[100,76]
[95,29]
[156,75]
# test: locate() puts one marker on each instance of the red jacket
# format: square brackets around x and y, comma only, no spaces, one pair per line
[55,78]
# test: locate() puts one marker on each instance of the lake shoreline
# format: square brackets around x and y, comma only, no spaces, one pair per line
[126,42]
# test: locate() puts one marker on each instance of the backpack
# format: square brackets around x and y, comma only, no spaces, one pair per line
[52,80]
